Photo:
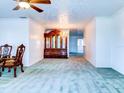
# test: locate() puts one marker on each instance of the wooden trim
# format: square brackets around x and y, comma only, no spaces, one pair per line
[56,43]
[66,42]
[50,41]
[45,42]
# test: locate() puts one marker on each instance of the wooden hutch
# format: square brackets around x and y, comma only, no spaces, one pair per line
[55,44]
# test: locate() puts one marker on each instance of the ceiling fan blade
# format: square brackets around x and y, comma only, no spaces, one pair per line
[41,1]
[36,8]
[16,8]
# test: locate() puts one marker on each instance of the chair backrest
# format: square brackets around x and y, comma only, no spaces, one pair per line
[19,54]
[0,52]
[5,50]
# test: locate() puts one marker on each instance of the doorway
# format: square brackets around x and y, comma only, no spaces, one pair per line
[76,43]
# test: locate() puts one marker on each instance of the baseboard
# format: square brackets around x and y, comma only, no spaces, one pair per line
[89,61]
[33,63]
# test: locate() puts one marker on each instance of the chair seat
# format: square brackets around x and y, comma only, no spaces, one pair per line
[9,62]
[1,64]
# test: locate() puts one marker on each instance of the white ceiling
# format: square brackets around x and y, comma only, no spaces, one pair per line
[64,13]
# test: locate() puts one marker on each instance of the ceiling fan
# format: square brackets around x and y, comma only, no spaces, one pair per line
[25,4]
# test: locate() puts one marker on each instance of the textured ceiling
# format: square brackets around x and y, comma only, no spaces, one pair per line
[64,13]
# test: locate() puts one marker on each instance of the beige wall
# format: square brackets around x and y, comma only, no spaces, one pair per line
[90,42]
[36,42]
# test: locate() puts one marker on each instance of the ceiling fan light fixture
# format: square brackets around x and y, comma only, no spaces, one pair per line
[24,5]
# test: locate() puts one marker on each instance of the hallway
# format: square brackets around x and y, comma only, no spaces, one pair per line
[74,75]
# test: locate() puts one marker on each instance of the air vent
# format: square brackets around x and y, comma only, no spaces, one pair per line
[23,17]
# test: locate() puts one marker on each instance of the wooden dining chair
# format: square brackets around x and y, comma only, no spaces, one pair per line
[15,61]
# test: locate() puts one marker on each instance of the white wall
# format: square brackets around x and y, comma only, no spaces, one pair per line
[117,51]
[98,41]
[104,32]
[110,41]
[90,42]
[36,43]
[14,31]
